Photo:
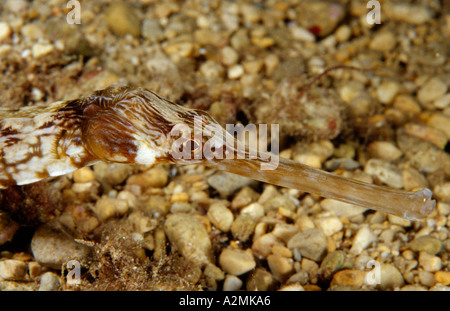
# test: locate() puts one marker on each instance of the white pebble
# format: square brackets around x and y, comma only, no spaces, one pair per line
[434,89]
[235,72]
[443,102]
[229,56]
[236,261]
[429,262]
[386,172]
[41,49]
[329,225]
[387,91]
[363,238]
[5,31]
[232,283]
[301,34]
[221,217]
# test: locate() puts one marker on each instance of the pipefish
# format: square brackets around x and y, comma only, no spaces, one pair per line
[137,126]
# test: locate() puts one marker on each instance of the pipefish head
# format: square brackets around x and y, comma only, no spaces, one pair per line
[135,125]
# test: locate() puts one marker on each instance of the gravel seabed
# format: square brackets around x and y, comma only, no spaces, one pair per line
[167,227]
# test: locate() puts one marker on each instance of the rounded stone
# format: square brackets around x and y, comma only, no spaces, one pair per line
[236,261]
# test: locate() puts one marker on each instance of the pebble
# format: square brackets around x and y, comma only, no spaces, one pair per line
[384,150]
[13,270]
[413,179]
[83,175]
[399,221]
[321,17]
[190,237]
[428,244]
[34,269]
[53,248]
[281,267]
[232,283]
[311,243]
[292,287]
[122,20]
[254,210]
[417,14]
[227,183]
[329,225]
[348,277]
[228,56]
[301,34]
[432,90]
[390,277]
[384,171]
[384,41]
[429,262]
[5,31]
[235,72]
[49,281]
[155,177]
[387,91]
[236,261]
[343,33]
[442,277]
[427,278]
[300,277]
[442,102]
[442,191]
[440,122]
[262,245]
[363,238]
[41,49]
[243,227]
[106,208]
[244,197]
[111,174]
[342,209]
[332,262]
[260,280]
[214,272]
[152,30]
[220,216]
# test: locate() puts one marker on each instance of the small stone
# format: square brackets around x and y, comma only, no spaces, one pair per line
[308,159]
[227,183]
[110,174]
[236,261]
[440,122]
[262,245]
[343,33]
[254,210]
[428,244]
[351,90]
[235,72]
[211,70]
[342,209]
[432,90]
[122,20]
[281,267]
[228,56]
[244,197]
[300,277]
[5,31]
[53,248]
[49,282]
[151,30]
[427,278]
[41,49]
[442,277]
[442,102]
[384,171]
[363,238]
[406,103]
[399,221]
[243,227]
[383,41]
[232,283]
[260,280]
[427,133]
[106,208]
[301,34]
[416,14]
[34,269]
[155,177]
[442,191]
[13,270]
[351,278]
[214,272]
[390,277]
[221,217]
[329,225]
[443,208]
[190,237]
[311,243]
[181,197]
[387,91]
[384,150]
[292,287]
[413,179]
[284,231]
[321,17]
[83,175]
[429,262]
[333,262]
